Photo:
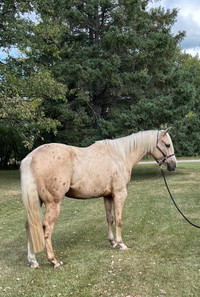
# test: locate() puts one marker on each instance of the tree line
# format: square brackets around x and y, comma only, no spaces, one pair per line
[91,70]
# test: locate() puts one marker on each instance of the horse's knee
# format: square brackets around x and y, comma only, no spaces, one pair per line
[119,223]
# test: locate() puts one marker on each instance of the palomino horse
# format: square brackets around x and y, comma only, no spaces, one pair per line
[53,171]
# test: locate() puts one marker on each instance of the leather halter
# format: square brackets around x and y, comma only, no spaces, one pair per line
[164,155]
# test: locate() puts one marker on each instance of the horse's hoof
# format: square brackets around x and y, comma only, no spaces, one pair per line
[123,247]
[57,265]
[126,249]
[35,266]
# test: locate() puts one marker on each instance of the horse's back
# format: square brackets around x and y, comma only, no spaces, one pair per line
[50,156]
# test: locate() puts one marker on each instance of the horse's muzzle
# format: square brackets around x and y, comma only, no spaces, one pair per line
[171,166]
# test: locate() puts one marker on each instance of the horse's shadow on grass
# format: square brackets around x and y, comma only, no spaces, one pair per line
[65,244]
[144,173]
[14,254]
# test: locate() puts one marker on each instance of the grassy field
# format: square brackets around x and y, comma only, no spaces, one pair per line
[164,256]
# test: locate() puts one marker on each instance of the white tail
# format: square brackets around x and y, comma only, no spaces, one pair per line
[31,202]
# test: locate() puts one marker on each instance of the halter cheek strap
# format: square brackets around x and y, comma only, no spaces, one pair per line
[164,155]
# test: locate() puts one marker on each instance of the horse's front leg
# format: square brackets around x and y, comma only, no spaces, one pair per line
[109,206]
[119,199]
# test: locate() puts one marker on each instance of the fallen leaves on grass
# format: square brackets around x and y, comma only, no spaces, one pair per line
[163,292]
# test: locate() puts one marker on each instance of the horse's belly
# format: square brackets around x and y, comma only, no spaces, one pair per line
[81,193]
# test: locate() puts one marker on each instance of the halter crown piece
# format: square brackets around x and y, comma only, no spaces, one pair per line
[164,155]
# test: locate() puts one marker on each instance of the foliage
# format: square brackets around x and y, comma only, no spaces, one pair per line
[164,249]
[110,55]
[12,26]
[187,97]
[8,145]
[21,101]
[100,69]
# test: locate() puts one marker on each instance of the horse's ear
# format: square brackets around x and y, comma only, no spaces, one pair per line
[166,131]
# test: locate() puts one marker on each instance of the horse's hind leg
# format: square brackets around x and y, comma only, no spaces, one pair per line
[109,206]
[31,256]
[52,213]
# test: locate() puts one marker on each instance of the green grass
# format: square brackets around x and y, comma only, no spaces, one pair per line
[164,256]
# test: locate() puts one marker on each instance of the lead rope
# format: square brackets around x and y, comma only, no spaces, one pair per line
[163,174]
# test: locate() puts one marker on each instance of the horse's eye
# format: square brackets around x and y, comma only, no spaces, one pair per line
[167,145]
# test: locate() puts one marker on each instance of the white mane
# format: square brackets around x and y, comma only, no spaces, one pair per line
[144,141]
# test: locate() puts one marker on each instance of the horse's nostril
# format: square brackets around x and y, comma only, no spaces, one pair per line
[171,166]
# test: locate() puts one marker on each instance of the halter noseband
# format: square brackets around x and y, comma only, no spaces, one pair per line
[164,155]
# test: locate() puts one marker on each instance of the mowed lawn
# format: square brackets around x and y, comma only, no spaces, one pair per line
[164,256]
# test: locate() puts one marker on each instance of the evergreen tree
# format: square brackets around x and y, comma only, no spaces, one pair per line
[115,58]
[98,69]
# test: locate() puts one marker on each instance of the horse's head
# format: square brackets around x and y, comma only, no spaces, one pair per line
[164,150]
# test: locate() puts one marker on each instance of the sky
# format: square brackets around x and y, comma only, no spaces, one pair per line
[188,20]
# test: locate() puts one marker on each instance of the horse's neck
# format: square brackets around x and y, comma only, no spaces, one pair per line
[134,158]
[147,141]
[132,148]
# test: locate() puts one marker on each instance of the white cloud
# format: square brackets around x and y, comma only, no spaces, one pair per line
[196,16]
[193,51]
